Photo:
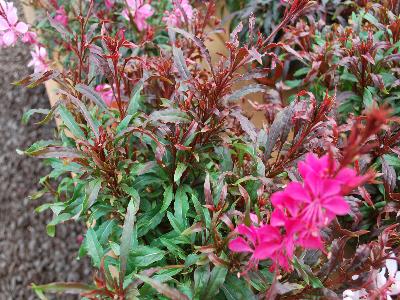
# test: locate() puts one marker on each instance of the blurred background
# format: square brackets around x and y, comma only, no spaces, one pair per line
[27,254]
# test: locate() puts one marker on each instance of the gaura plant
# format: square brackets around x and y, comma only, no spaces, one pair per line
[359,58]
[184,198]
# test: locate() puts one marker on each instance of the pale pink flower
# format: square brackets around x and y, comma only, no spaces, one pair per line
[106,93]
[61,16]
[176,17]
[10,28]
[140,12]
[39,59]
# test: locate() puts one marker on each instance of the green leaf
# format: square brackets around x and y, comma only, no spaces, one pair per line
[134,104]
[65,287]
[217,278]
[162,288]
[51,227]
[124,124]
[173,248]
[175,223]
[69,121]
[180,169]
[93,247]
[170,116]
[237,289]
[201,277]
[151,219]
[306,273]
[94,188]
[370,18]
[91,94]
[143,256]
[127,234]
[105,230]
[367,98]
[191,259]
[93,124]
[27,115]
[181,206]
[168,197]
[244,91]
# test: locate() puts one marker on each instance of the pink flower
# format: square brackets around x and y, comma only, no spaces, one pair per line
[109,3]
[106,93]
[39,59]
[322,201]
[325,168]
[61,16]
[140,12]
[10,28]
[301,210]
[264,242]
[176,17]
[30,37]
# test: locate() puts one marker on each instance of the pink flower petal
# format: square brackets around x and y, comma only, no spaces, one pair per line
[3,24]
[22,27]
[278,218]
[337,205]
[12,16]
[265,250]
[9,38]
[239,245]
[249,232]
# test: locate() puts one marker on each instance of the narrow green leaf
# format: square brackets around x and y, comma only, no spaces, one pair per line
[85,113]
[127,234]
[105,230]
[181,206]
[217,278]
[180,169]
[69,121]
[367,98]
[124,124]
[93,247]
[162,288]
[173,248]
[51,227]
[91,94]
[95,187]
[143,256]
[237,289]
[27,115]
[65,287]
[201,277]
[134,104]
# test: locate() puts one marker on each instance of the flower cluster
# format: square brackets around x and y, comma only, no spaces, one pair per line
[301,210]
[139,11]
[39,59]
[10,28]
[182,13]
